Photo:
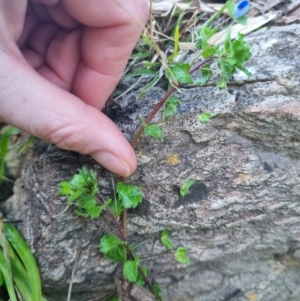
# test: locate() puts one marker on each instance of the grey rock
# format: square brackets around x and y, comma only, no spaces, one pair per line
[241,220]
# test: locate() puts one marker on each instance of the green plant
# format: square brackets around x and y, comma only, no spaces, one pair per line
[11,140]
[5,145]
[18,267]
[181,255]
[82,192]
[17,263]
[165,240]
[206,117]
[82,189]
[185,187]
[229,57]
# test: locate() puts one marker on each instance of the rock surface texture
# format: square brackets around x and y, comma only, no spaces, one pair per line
[241,221]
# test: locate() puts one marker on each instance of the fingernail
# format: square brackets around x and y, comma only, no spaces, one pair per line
[112,163]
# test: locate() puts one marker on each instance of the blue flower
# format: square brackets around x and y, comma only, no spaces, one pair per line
[241,8]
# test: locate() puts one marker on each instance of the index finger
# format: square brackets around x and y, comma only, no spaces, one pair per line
[112,28]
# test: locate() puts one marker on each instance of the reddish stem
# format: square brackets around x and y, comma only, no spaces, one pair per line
[164,99]
[123,237]
[133,143]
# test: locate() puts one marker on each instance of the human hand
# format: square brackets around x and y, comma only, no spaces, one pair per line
[59,62]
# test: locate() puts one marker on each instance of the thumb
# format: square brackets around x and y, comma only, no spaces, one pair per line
[35,105]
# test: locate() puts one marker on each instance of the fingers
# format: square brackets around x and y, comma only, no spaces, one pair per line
[12,14]
[61,17]
[37,106]
[54,53]
[112,29]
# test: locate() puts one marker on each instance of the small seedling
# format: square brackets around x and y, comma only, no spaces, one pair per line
[181,255]
[170,108]
[165,240]
[152,130]
[206,117]
[185,187]
[82,190]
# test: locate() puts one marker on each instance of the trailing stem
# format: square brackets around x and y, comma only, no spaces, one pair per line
[196,67]
[123,237]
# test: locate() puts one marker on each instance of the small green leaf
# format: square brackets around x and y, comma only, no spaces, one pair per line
[117,254]
[139,72]
[74,195]
[181,73]
[145,39]
[109,241]
[130,269]
[236,53]
[227,68]
[65,188]
[130,195]
[116,207]
[150,64]
[95,211]
[77,181]
[205,76]
[209,51]
[140,280]
[157,291]
[153,130]
[181,256]
[241,49]
[165,240]
[149,85]
[86,202]
[170,108]
[185,187]
[140,55]
[85,181]
[243,68]
[113,248]
[205,34]
[229,61]
[206,117]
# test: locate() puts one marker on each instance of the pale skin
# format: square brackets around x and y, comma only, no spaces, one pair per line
[60,60]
